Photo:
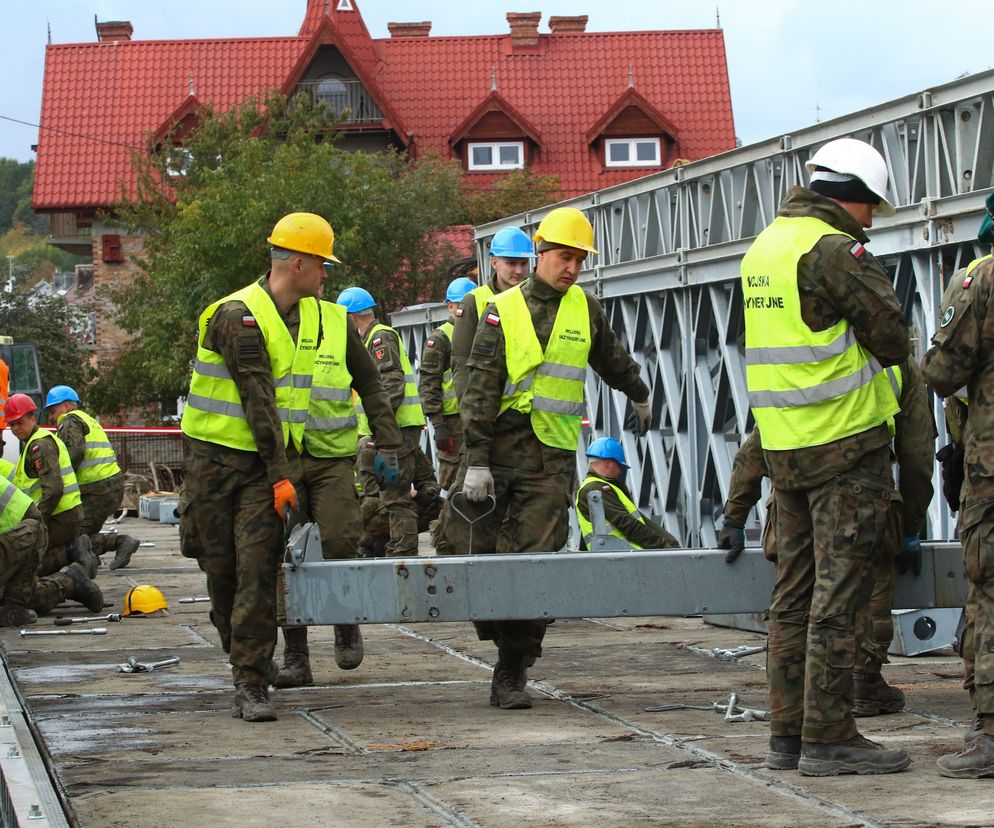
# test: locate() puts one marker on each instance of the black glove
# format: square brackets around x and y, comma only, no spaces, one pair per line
[444,441]
[951,459]
[910,556]
[732,537]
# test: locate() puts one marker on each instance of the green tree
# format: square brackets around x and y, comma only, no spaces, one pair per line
[514,193]
[205,229]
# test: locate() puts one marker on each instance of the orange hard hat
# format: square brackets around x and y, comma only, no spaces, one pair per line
[17,406]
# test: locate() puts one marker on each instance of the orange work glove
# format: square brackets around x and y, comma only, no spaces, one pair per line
[284,497]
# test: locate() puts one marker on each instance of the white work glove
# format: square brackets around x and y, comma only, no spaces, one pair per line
[479,484]
[640,419]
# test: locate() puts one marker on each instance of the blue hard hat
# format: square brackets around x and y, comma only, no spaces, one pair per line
[355,300]
[458,288]
[607,448]
[512,243]
[60,394]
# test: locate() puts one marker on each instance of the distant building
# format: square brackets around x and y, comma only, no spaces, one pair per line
[593,108]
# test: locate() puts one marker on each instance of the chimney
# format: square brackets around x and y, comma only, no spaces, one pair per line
[524,28]
[421,29]
[114,30]
[559,25]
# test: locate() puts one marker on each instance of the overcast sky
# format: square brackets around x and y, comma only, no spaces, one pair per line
[790,61]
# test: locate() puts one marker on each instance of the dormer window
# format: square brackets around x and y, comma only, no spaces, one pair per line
[496,155]
[631,152]
[178,161]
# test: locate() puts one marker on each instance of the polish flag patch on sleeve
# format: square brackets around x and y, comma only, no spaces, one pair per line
[458,311]
[968,281]
[857,250]
[430,343]
[493,319]
[249,322]
[377,341]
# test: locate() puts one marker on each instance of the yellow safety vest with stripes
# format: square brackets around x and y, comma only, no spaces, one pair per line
[587,528]
[450,405]
[331,429]
[31,486]
[483,296]
[7,469]
[14,504]
[547,385]
[99,460]
[806,388]
[409,413]
[214,412]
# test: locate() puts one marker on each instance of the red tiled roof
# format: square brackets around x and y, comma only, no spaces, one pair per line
[101,101]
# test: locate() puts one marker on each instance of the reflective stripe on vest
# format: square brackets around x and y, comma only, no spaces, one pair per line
[7,469]
[409,413]
[99,460]
[450,405]
[547,385]
[13,505]
[587,528]
[331,429]
[806,388]
[214,410]
[31,486]
[896,382]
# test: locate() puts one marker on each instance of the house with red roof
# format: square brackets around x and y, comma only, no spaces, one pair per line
[593,108]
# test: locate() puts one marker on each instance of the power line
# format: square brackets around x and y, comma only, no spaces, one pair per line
[71,134]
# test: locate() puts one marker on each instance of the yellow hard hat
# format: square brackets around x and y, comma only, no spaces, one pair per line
[566,226]
[305,233]
[144,599]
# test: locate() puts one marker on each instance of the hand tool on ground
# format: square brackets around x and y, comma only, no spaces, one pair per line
[135,666]
[666,708]
[734,713]
[91,631]
[737,653]
[465,517]
[66,621]
[198,600]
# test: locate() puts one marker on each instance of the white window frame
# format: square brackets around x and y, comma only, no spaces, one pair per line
[495,147]
[633,160]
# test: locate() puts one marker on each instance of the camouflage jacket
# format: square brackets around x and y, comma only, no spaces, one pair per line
[837,280]
[962,354]
[436,359]
[43,463]
[463,332]
[72,431]
[914,443]
[648,535]
[367,382]
[494,439]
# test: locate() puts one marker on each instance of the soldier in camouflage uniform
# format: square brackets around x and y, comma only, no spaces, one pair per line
[243,428]
[521,412]
[913,444]
[821,318]
[962,354]
[92,456]
[436,389]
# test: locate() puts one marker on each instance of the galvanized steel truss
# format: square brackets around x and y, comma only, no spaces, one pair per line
[667,274]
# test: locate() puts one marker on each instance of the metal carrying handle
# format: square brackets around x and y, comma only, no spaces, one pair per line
[465,517]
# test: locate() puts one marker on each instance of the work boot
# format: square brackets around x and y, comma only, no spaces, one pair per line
[81,551]
[975,761]
[856,755]
[252,703]
[13,615]
[126,547]
[348,646]
[976,728]
[784,752]
[507,689]
[873,696]
[296,668]
[83,590]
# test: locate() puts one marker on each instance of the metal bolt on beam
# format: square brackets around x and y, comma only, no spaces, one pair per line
[34,812]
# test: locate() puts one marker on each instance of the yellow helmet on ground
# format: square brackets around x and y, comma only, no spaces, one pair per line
[143,600]
[566,226]
[305,233]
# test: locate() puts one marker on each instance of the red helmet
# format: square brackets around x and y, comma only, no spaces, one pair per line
[17,406]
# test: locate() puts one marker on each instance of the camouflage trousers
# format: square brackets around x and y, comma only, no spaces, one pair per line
[827,540]
[63,529]
[531,515]
[327,496]
[977,645]
[100,501]
[228,524]
[448,461]
[20,549]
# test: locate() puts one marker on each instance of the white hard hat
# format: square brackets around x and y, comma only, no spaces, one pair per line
[851,157]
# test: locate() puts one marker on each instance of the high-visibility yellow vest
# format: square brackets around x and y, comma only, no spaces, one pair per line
[214,412]
[547,385]
[331,429]
[31,486]
[896,383]
[483,296]
[7,469]
[13,505]
[450,405]
[587,528]
[410,412]
[806,388]
[99,460]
